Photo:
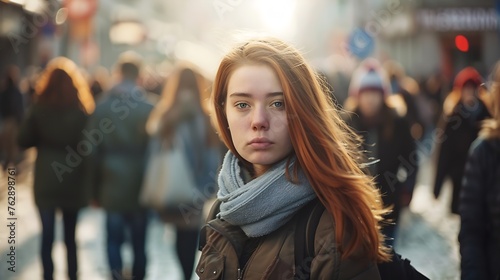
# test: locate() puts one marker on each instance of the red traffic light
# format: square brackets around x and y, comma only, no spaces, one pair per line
[462,43]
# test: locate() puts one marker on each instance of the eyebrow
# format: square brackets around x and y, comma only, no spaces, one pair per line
[244,94]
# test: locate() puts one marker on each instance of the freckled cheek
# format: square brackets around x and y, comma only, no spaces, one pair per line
[280,124]
[238,124]
[279,131]
[238,127]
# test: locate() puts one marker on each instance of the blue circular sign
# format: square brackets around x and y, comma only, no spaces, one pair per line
[361,44]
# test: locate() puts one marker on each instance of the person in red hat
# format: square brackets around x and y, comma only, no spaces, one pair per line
[463,110]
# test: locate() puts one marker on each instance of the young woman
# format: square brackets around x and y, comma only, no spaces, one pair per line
[182,114]
[287,147]
[480,198]
[54,125]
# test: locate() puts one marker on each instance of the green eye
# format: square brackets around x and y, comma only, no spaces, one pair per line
[241,105]
[278,104]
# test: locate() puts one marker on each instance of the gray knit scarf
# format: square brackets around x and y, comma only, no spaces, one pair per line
[265,203]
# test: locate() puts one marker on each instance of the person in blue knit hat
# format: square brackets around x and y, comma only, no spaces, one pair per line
[387,138]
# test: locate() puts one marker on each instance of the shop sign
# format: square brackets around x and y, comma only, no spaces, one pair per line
[457,19]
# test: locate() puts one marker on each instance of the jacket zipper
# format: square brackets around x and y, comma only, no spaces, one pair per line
[240,272]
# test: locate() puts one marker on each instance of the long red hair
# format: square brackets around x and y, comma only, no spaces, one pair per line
[327,149]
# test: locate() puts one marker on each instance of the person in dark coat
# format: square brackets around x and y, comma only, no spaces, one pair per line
[479,207]
[11,114]
[433,89]
[54,125]
[406,89]
[463,110]
[414,101]
[116,164]
[387,139]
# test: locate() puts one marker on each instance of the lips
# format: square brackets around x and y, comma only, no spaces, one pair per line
[260,143]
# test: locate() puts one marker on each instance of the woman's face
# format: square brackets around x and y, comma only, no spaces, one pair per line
[255,110]
[469,94]
[186,98]
[370,102]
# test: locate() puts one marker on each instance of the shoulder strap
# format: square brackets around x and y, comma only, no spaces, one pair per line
[212,214]
[214,210]
[307,222]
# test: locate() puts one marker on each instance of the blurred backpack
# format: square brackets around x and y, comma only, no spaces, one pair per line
[308,219]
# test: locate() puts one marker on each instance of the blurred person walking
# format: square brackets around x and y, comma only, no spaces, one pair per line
[337,71]
[182,115]
[11,115]
[116,165]
[406,89]
[479,207]
[395,74]
[27,84]
[54,125]
[463,109]
[387,139]
[433,89]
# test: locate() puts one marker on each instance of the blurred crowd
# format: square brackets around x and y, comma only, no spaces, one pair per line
[93,132]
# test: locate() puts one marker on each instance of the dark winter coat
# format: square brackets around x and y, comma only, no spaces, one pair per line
[57,135]
[480,212]
[390,142]
[117,162]
[11,103]
[460,130]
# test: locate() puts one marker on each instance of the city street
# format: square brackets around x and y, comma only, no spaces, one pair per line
[90,83]
[428,236]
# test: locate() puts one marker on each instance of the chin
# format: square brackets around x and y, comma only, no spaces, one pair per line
[261,159]
[264,159]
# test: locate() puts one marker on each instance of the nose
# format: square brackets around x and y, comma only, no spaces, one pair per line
[260,119]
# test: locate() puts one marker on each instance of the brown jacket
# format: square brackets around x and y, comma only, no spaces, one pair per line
[274,256]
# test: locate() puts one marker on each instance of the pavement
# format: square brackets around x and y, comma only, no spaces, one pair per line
[427,236]
[428,231]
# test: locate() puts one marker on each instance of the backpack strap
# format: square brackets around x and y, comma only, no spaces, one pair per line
[212,214]
[307,222]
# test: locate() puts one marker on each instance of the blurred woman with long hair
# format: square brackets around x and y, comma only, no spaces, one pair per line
[182,115]
[479,206]
[288,147]
[54,125]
